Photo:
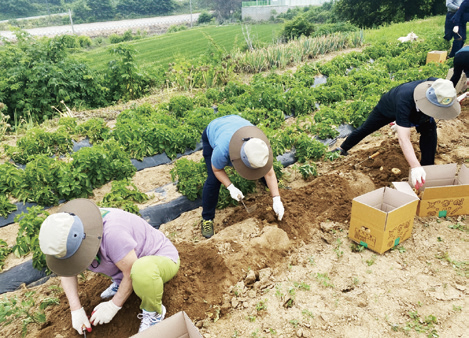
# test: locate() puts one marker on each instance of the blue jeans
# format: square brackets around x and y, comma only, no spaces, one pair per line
[212,184]
[376,120]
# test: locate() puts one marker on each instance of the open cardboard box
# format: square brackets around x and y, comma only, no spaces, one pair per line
[445,192]
[178,325]
[382,218]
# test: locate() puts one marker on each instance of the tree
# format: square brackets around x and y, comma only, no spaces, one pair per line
[145,7]
[16,8]
[101,10]
[368,13]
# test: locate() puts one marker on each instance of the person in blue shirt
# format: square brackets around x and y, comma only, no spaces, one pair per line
[459,19]
[453,7]
[412,104]
[461,64]
[233,141]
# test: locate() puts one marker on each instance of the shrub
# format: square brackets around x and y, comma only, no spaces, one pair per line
[204,17]
[297,27]
[84,41]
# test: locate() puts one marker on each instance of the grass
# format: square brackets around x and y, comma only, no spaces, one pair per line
[185,45]
[392,32]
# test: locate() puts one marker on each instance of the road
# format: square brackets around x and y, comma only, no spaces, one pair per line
[100,28]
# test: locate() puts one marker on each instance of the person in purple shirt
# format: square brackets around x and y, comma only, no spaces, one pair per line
[119,244]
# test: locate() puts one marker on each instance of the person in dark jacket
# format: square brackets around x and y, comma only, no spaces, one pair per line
[459,19]
[452,7]
[461,64]
[412,104]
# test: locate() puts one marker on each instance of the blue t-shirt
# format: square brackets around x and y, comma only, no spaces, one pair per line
[219,133]
[462,50]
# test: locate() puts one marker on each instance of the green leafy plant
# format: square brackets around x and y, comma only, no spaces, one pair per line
[190,177]
[5,250]
[308,170]
[6,207]
[27,237]
[124,194]
[308,148]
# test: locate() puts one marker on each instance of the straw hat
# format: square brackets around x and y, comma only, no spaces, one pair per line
[250,152]
[437,99]
[71,238]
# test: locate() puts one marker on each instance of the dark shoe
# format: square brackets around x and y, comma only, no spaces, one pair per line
[207,228]
[342,152]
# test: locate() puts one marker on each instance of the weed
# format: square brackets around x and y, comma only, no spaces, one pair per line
[371,261]
[261,305]
[420,325]
[294,322]
[251,318]
[439,239]
[324,280]
[337,250]
[462,267]
[459,226]
[302,285]
[357,247]
[457,308]
[311,260]
[272,331]
[307,313]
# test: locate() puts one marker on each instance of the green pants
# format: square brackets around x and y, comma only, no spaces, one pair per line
[148,275]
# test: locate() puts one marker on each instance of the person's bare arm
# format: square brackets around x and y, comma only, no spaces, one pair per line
[222,176]
[125,287]
[403,135]
[70,286]
[271,180]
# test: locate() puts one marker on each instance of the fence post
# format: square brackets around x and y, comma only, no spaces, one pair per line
[71,21]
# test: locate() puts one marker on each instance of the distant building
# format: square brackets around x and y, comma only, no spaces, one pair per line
[263,10]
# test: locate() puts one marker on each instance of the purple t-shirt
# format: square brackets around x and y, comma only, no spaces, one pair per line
[124,232]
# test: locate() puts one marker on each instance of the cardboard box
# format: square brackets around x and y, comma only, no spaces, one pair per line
[445,193]
[383,218]
[178,325]
[436,56]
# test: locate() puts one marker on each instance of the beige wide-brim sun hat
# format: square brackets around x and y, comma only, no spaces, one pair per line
[90,216]
[241,136]
[435,109]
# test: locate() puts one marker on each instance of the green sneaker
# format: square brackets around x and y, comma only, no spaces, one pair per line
[207,228]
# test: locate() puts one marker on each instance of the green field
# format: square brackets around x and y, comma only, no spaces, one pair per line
[186,45]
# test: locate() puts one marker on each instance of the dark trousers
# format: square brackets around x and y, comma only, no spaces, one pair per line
[459,38]
[461,64]
[376,120]
[212,184]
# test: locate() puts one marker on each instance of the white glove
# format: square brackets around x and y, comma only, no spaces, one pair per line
[278,207]
[456,29]
[417,175]
[235,193]
[104,312]
[393,126]
[80,321]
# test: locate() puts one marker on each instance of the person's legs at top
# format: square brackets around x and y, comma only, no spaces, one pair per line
[449,26]
[461,64]
[148,276]
[210,190]
[375,121]
[428,142]
[459,40]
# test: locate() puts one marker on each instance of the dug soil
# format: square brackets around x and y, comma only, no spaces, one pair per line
[299,277]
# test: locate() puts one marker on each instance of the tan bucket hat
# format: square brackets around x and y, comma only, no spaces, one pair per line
[437,99]
[250,152]
[71,238]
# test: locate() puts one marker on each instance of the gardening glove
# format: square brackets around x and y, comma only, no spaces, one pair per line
[417,175]
[393,126]
[80,321]
[104,312]
[456,29]
[235,193]
[278,207]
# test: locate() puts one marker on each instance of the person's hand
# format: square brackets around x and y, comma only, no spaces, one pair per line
[278,207]
[104,312]
[456,29]
[417,176]
[235,193]
[393,126]
[80,321]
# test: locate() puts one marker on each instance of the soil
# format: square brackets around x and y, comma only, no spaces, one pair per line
[298,277]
